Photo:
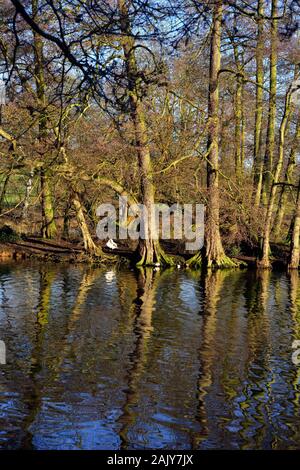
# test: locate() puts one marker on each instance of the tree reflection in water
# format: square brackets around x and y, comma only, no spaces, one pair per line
[108,358]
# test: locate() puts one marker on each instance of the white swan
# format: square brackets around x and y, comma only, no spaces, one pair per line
[109,276]
[111,244]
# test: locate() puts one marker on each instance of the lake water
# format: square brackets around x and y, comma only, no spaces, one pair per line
[117,359]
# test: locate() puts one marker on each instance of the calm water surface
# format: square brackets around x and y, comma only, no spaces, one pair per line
[110,359]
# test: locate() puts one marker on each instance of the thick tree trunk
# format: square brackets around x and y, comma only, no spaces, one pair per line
[257,157]
[149,251]
[214,252]
[270,142]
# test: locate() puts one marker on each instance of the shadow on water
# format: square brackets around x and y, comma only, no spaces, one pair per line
[108,359]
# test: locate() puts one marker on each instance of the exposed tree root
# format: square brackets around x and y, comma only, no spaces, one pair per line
[222,262]
[196,261]
[162,257]
[151,254]
[101,257]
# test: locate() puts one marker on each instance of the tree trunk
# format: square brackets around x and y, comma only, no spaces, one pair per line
[28,190]
[214,252]
[89,245]
[270,142]
[3,192]
[264,261]
[257,157]
[67,217]
[48,222]
[149,251]
[294,249]
[283,195]
[243,129]
[238,111]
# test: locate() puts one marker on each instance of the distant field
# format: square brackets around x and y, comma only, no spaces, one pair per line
[15,190]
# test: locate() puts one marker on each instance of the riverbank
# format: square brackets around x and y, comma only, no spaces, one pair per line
[73,252]
[32,247]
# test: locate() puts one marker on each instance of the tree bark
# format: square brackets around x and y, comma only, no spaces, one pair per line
[214,252]
[257,157]
[238,111]
[67,217]
[149,251]
[270,142]
[283,195]
[3,192]
[264,261]
[89,245]
[48,222]
[294,249]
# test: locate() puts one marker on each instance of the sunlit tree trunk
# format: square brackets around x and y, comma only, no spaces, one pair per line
[264,260]
[284,191]
[257,158]
[294,249]
[270,142]
[214,252]
[48,222]
[238,111]
[149,250]
[243,129]
[89,245]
